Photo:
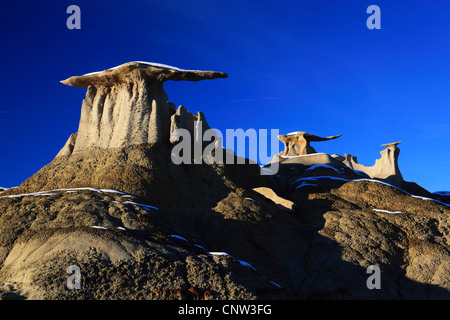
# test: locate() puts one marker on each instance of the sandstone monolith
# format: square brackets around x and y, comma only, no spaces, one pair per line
[127,105]
[385,168]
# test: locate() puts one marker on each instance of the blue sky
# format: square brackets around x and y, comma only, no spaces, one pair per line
[293,65]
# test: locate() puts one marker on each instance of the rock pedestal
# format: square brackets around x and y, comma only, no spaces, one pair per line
[127,105]
[298,143]
[385,168]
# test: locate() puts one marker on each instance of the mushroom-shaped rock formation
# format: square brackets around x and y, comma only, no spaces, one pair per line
[386,168]
[298,143]
[127,105]
[297,149]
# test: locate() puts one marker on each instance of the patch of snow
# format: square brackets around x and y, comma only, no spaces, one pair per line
[121,228]
[160,65]
[199,246]
[246,264]
[323,166]
[293,133]
[386,211]
[218,254]
[252,200]
[154,64]
[317,178]
[275,284]
[442,193]
[111,191]
[128,196]
[178,237]
[145,206]
[99,227]
[304,184]
[76,189]
[34,194]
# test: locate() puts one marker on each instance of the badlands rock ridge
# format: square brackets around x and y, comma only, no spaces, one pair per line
[140,227]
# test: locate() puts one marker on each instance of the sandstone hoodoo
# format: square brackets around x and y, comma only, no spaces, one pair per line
[386,168]
[127,105]
[299,143]
[138,226]
[126,132]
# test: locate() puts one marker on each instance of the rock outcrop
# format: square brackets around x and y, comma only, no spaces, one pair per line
[127,105]
[126,133]
[386,168]
[299,143]
[141,227]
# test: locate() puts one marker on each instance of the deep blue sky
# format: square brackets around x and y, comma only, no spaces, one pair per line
[293,65]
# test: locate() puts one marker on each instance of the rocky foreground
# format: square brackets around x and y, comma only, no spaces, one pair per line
[243,246]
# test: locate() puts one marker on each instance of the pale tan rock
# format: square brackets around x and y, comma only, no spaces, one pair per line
[270,194]
[68,147]
[297,149]
[298,143]
[127,105]
[309,159]
[385,168]
[184,119]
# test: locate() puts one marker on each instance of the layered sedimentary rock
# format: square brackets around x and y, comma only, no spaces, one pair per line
[127,105]
[385,168]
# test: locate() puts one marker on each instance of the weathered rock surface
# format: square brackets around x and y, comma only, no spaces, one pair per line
[119,247]
[321,250]
[386,168]
[127,105]
[141,227]
[299,143]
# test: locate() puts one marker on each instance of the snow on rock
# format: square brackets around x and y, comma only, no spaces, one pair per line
[412,195]
[34,194]
[317,178]
[386,211]
[178,237]
[99,227]
[442,193]
[246,264]
[327,166]
[111,191]
[199,246]
[145,206]
[153,64]
[305,184]
[218,253]
[275,284]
